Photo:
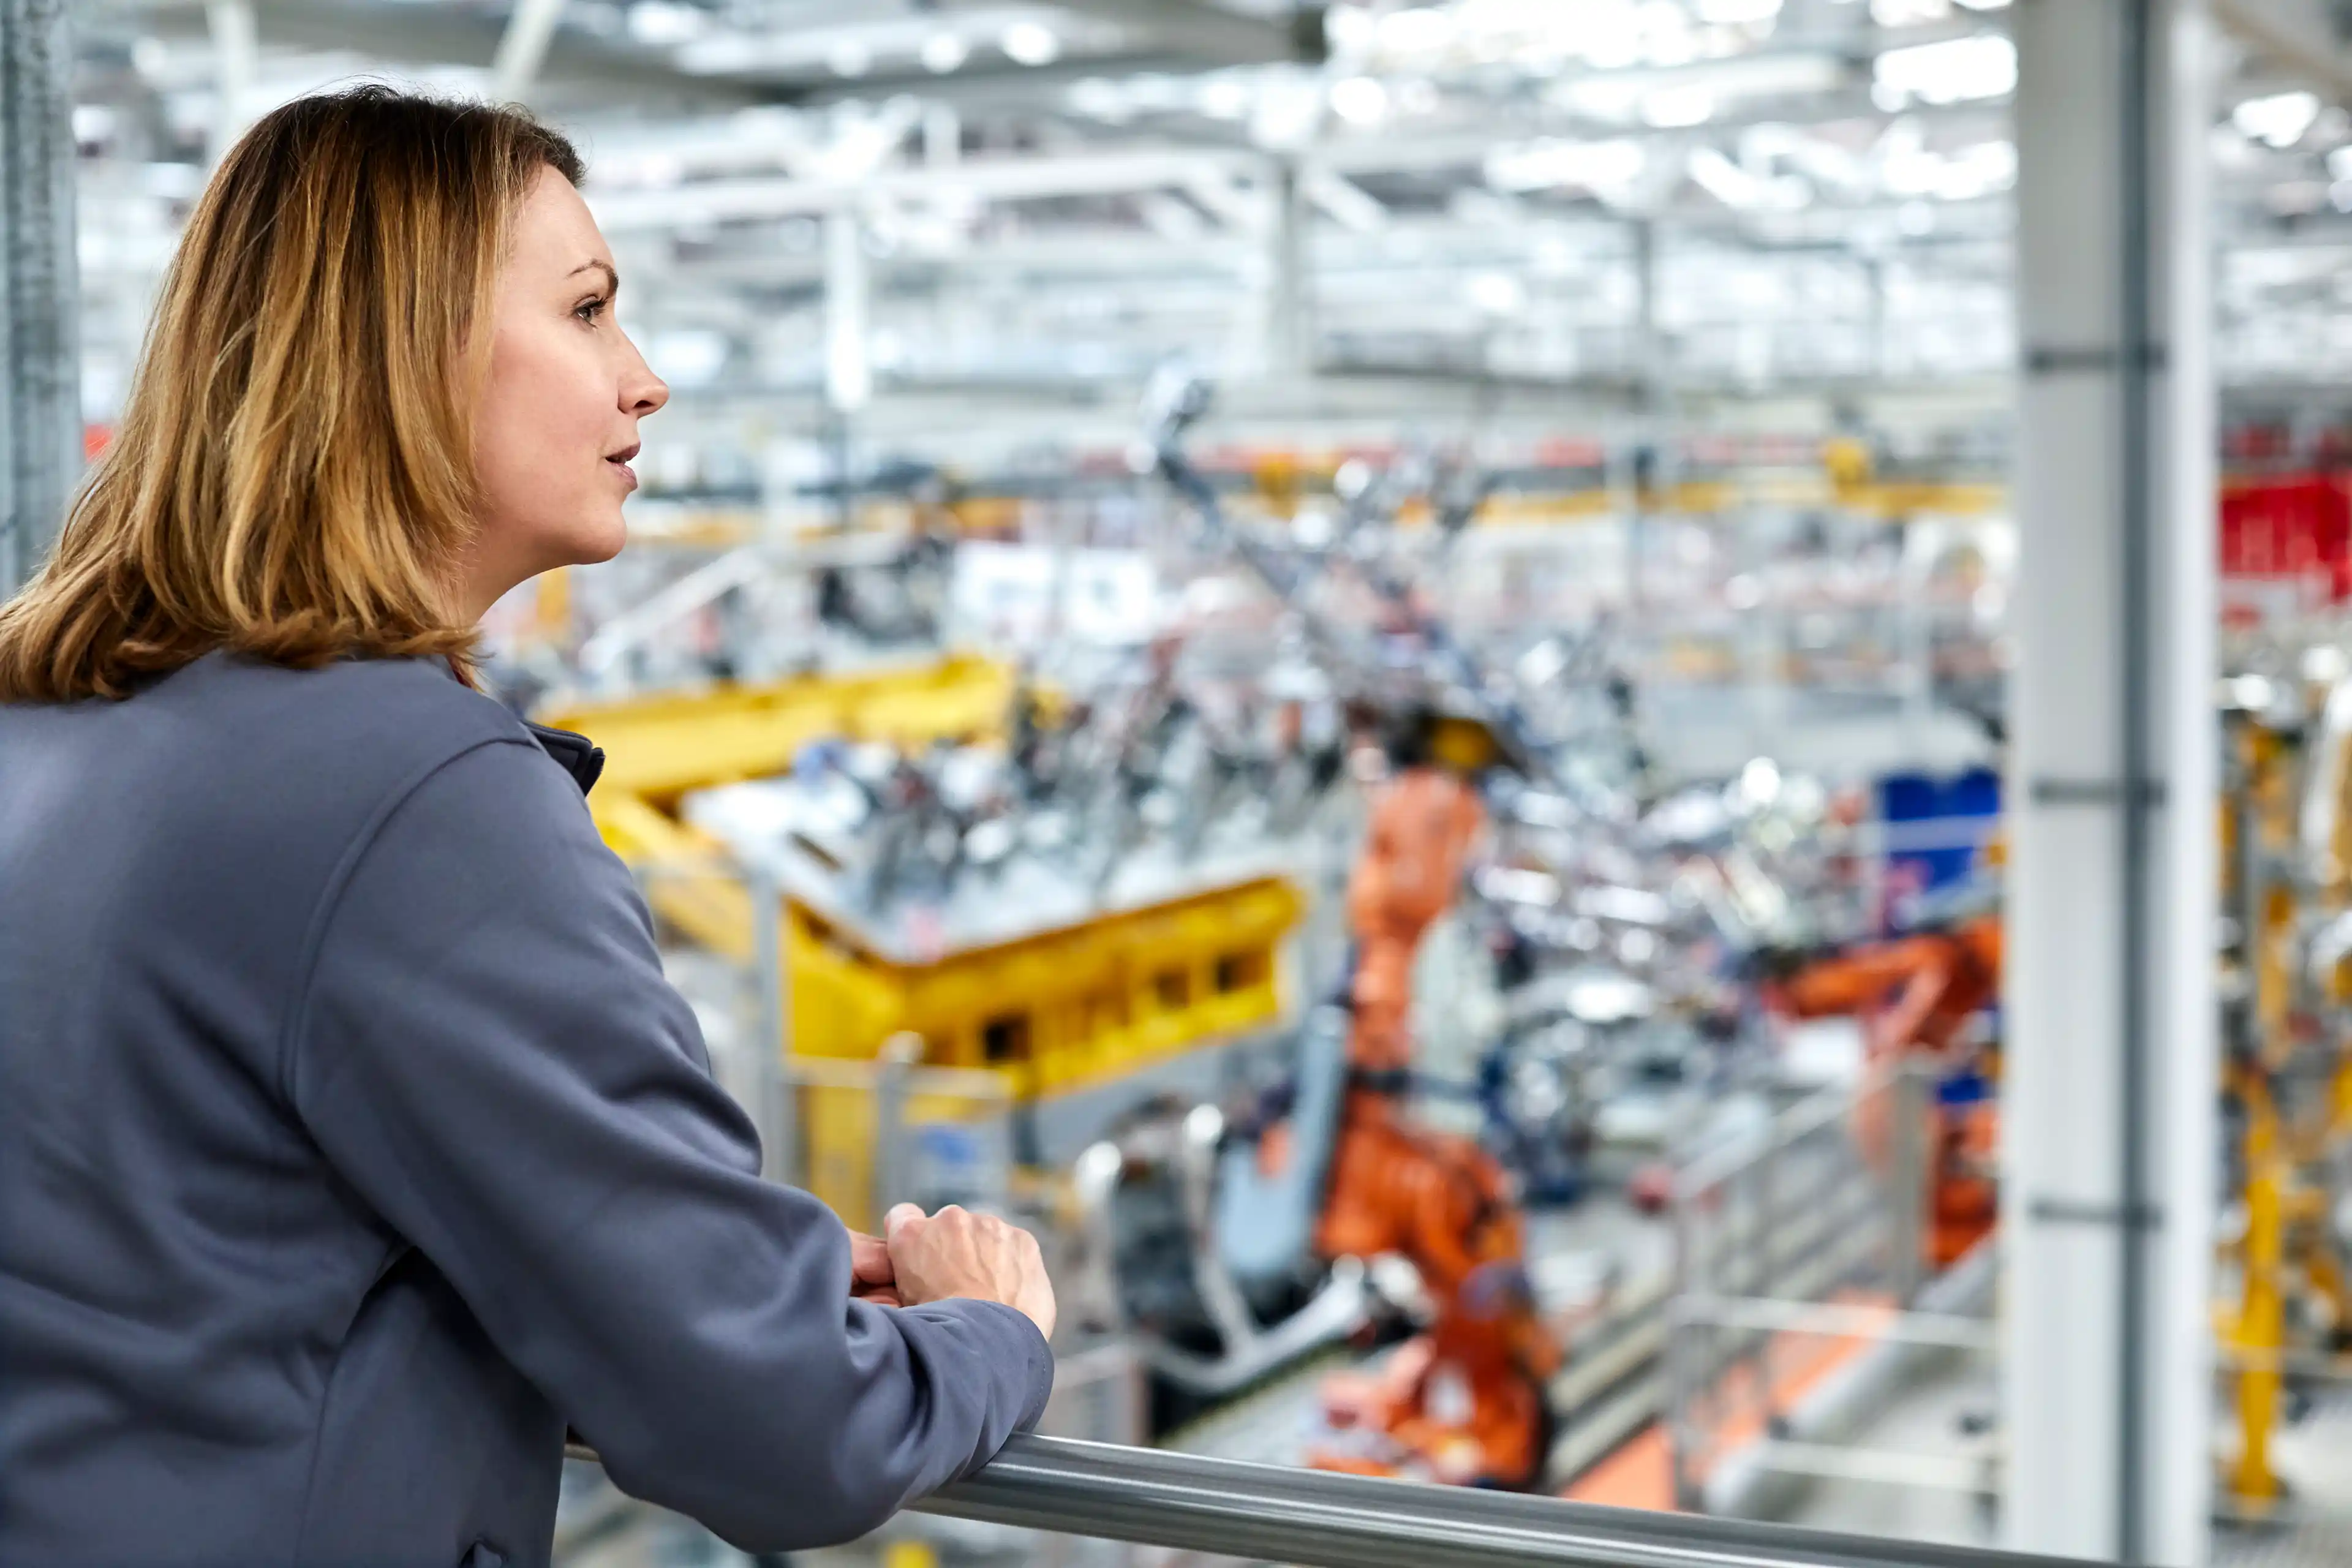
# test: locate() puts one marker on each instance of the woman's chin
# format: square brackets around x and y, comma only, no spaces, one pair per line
[599,543]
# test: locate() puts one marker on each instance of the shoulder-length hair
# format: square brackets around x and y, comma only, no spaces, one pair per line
[293,478]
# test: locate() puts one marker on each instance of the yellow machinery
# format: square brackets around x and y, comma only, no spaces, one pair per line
[2290,1067]
[1049,1012]
[658,748]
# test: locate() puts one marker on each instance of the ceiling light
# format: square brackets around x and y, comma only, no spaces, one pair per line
[1225,98]
[1738,11]
[1673,108]
[1617,101]
[1742,189]
[849,58]
[1909,13]
[1497,294]
[1956,70]
[1097,98]
[1360,101]
[944,52]
[1417,33]
[2277,121]
[1537,165]
[1350,29]
[1031,43]
[662,23]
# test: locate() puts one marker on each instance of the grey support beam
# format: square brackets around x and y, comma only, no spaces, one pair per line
[2298,37]
[2111,1080]
[530,28]
[457,35]
[1208,34]
[1287,329]
[40,399]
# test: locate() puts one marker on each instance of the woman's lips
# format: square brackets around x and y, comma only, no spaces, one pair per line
[620,461]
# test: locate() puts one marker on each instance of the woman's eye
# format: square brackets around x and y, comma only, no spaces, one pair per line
[589,311]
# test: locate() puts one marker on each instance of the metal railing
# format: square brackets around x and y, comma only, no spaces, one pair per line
[1317,1519]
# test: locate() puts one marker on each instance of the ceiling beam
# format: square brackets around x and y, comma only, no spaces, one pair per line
[2295,36]
[1009,179]
[452,34]
[1208,34]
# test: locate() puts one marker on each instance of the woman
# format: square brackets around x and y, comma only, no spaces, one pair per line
[351,1145]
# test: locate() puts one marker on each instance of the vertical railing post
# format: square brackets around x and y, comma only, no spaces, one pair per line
[1907,1180]
[770,967]
[1681,1392]
[891,1175]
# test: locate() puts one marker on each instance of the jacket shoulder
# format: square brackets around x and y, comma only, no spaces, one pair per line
[387,716]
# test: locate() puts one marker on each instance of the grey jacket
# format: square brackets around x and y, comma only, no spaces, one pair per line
[352,1144]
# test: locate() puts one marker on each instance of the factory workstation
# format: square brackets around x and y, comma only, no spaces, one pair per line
[1601,748]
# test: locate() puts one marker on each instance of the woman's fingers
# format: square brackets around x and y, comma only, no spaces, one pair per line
[869,1263]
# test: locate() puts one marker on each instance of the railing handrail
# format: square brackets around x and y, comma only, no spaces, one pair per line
[1318,1520]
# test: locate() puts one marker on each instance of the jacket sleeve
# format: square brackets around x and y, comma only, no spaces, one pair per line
[489,1054]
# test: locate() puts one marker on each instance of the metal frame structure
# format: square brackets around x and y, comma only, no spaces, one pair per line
[40,404]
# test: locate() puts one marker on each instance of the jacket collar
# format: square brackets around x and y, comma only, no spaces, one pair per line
[580,757]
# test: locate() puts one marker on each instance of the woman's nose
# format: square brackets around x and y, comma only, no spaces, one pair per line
[642,392]
[646,394]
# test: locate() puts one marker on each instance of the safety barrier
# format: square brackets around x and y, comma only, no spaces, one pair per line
[1315,1519]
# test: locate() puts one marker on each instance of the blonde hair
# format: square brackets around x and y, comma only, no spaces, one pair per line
[293,478]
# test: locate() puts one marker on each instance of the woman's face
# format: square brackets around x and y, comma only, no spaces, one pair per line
[557,422]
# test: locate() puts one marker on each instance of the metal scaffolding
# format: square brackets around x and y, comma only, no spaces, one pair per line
[40,414]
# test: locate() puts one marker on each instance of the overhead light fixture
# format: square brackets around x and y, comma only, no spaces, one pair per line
[664,23]
[1743,190]
[849,58]
[944,51]
[1736,12]
[1599,166]
[1350,30]
[2277,121]
[1224,97]
[1497,294]
[1031,43]
[1956,70]
[1360,101]
[1677,108]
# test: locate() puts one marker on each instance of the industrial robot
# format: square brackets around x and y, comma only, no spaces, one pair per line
[1466,1400]
[1918,995]
[1349,1174]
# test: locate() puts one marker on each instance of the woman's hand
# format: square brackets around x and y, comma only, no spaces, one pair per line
[872,1277]
[957,1253]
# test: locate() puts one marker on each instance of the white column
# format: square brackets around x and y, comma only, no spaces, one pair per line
[236,62]
[849,366]
[40,368]
[2109,1100]
[1289,322]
